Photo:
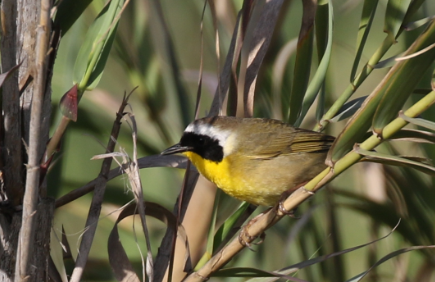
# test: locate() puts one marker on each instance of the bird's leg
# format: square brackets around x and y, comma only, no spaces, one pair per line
[284,196]
[244,236]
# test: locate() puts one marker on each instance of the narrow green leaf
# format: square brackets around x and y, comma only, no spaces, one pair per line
[68,12]
[348,109]
[319,76]
[98,70]
[95,49]
[405,78]
[365,24]
[322,18]
[417,24]
[304,55]
[413,135]
[397,161]
[419,121]
[394,15]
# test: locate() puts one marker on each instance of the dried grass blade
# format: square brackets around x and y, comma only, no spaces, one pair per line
[304,55]
[119,261]
[97,199]
[258,44]
[132,171]
[226,75]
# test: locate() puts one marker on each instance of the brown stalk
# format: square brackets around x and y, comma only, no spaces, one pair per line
[30,201]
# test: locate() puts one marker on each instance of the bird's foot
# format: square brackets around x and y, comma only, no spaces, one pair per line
[245,239]
[290,213]
[282,209]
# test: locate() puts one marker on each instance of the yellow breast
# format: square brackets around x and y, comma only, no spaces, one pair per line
[218,173]
[233,182]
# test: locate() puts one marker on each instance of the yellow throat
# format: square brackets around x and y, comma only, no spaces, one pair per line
[218,173]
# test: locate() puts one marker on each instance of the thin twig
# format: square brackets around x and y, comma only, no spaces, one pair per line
[136,185]
[145,162]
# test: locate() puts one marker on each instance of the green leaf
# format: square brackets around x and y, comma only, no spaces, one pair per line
[419,121]
[394,15]
[319,77]
[413,135]
[348,109]
[368,13]
[303,61]
[398,161]
[68,12]
[95,49]
[417,24]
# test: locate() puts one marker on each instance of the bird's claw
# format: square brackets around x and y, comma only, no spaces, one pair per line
[245,239]
[285,211]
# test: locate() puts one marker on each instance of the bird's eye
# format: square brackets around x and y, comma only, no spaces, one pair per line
[201,140]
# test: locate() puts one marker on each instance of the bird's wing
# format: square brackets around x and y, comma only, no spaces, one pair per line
[273,144]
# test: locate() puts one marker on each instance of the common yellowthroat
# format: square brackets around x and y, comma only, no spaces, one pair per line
[253,159]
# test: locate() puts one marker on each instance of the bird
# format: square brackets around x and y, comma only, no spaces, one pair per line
[253,159]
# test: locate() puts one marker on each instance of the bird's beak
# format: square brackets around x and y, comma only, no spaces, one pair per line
[177,148]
